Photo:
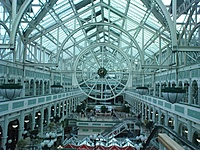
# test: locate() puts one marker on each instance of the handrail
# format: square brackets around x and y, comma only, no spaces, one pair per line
[172,132]
[116,127]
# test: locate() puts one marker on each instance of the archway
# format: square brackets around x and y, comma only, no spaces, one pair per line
[162,119]
[196,138]
[171,123]
[156,117]
[12,138]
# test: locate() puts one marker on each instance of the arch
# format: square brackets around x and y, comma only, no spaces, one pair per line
[45,120]
[193,30]
[180,83]
[162,119]
[17,20]
[31,90]
[183,130]
[5,27]
[98,24]
[147,113]
[27,122]
[170,122]
[156,115]
[151,114]
[38,119]
[13,128]
[196,138]
[170,23]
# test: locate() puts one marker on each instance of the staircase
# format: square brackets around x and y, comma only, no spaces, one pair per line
[117,129]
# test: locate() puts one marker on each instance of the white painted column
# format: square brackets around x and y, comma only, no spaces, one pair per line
[43,87]
[166,118]
[34,87]
[33,119]
[142,114]
[23,84]
[21,125]
[146,113]
[4,131]
[189,126]
[176,124]
[49,114]
[29,87]
[55,109]
[41,121]
[153,114]
[154,85]
[159,116]
[63,112]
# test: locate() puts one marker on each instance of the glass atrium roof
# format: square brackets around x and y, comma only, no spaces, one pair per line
[70,26]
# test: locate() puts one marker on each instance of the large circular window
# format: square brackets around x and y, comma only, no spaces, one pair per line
[102,71]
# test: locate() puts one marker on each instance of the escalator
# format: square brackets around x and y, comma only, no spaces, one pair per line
[117,129]
[152,142]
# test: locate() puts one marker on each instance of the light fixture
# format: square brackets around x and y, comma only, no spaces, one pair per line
[186,131]
[170,121]
[173,94]
[26,121]
[142,90]
[10,91]
[14,124]
[56,88]
[198,140]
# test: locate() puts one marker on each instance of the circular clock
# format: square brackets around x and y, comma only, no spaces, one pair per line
[102,71]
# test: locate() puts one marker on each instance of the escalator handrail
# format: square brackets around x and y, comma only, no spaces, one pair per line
[176,135]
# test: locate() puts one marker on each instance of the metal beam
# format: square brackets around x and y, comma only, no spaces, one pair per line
[158,67]
[40,16]
[132,72]
[42,64]
[142,72]
[188,49]
[5,46]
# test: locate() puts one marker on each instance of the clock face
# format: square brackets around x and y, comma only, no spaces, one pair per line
[102,72]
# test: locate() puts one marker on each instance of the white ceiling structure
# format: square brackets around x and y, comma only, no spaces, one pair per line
[99,42]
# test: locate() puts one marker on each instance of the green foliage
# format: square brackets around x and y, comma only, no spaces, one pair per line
[21,144]
[149,125]
[126,109]
[51,125]
[34,132]
[80,107]
[104,109]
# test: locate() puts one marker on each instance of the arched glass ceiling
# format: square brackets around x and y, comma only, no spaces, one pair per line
[49,24]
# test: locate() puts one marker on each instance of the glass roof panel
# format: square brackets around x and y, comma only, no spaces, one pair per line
[119,5]
[135,13]
[71,15]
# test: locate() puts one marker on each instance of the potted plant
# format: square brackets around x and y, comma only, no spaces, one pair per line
[21,144]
